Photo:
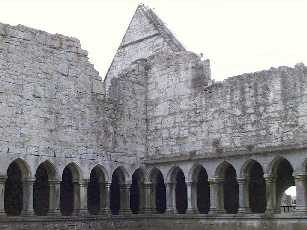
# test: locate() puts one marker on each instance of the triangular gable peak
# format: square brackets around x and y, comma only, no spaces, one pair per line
[145,36]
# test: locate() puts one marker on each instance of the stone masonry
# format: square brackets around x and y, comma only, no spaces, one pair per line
[226,151]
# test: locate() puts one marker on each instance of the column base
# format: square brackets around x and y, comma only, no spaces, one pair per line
[105,212]
[192,211]
[301,210]
[216,211]
[27,213]
[271,212]
[170,211]
[125,212]
[54,213]
[244,210]
[83,212]
[3,213]
[75,212]
[148,211]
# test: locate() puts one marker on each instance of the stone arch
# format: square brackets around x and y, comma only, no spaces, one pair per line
[96,190]
[23,166]
[200,198]
[219,171]
[158,191]
[75,170]
[103,173]
[253,172]
[171,175]
[281,171]
[70,189]
[119,191]
[45,173]
[230,194]
[137,193]
[179,194]
[124,174]
[17,172]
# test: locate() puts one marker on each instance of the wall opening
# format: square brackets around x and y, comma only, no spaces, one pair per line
[118,179]
[203,191]
[231,190]
[93,193]
[67,193]
[256,188]
[137,192]
[13,195]
[284,180]
[180,192]
[158,193]
[41,192]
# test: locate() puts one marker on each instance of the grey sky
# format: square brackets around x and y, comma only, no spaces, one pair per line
[236,35]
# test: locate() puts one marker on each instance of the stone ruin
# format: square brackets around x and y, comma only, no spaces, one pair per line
[158,144]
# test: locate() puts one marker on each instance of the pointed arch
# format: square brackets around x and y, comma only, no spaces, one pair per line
[96,190]
[158,193]
[220,169]
[282,171]
[172,173]
[200,189]
[137,193]
[41,188]
[75,171]
[176,176]
[17,172]
[230,194]
[70,189]
[101,172]
[252,170]
[23,166]
[118,194]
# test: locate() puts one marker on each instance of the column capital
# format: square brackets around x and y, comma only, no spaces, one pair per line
[124,186]
[28,180]
[54,182]
[105,184]
[216,180]
[190,183]
[84,182]
[3,179]
[269,178]
[300,176]
[241,180]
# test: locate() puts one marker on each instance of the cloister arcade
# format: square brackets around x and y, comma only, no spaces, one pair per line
[226,188]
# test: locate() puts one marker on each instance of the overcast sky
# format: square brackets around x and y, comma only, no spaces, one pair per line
[238,36]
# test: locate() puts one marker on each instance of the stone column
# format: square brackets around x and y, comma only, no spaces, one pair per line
[270,194]
[27,187]
[170,198]
[142,197]
[125,199]
[76,200]
[83,197]
[54,198]
[2,189]
[300,183]
[216,196]
[243,196]
[104,198]
[147,198]
[191,197]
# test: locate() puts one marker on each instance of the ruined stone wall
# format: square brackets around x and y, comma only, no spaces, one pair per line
[142,39]
[51,97]
[128,93]
[257,110]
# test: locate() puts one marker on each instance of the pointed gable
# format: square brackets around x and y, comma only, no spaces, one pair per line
[145,36]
